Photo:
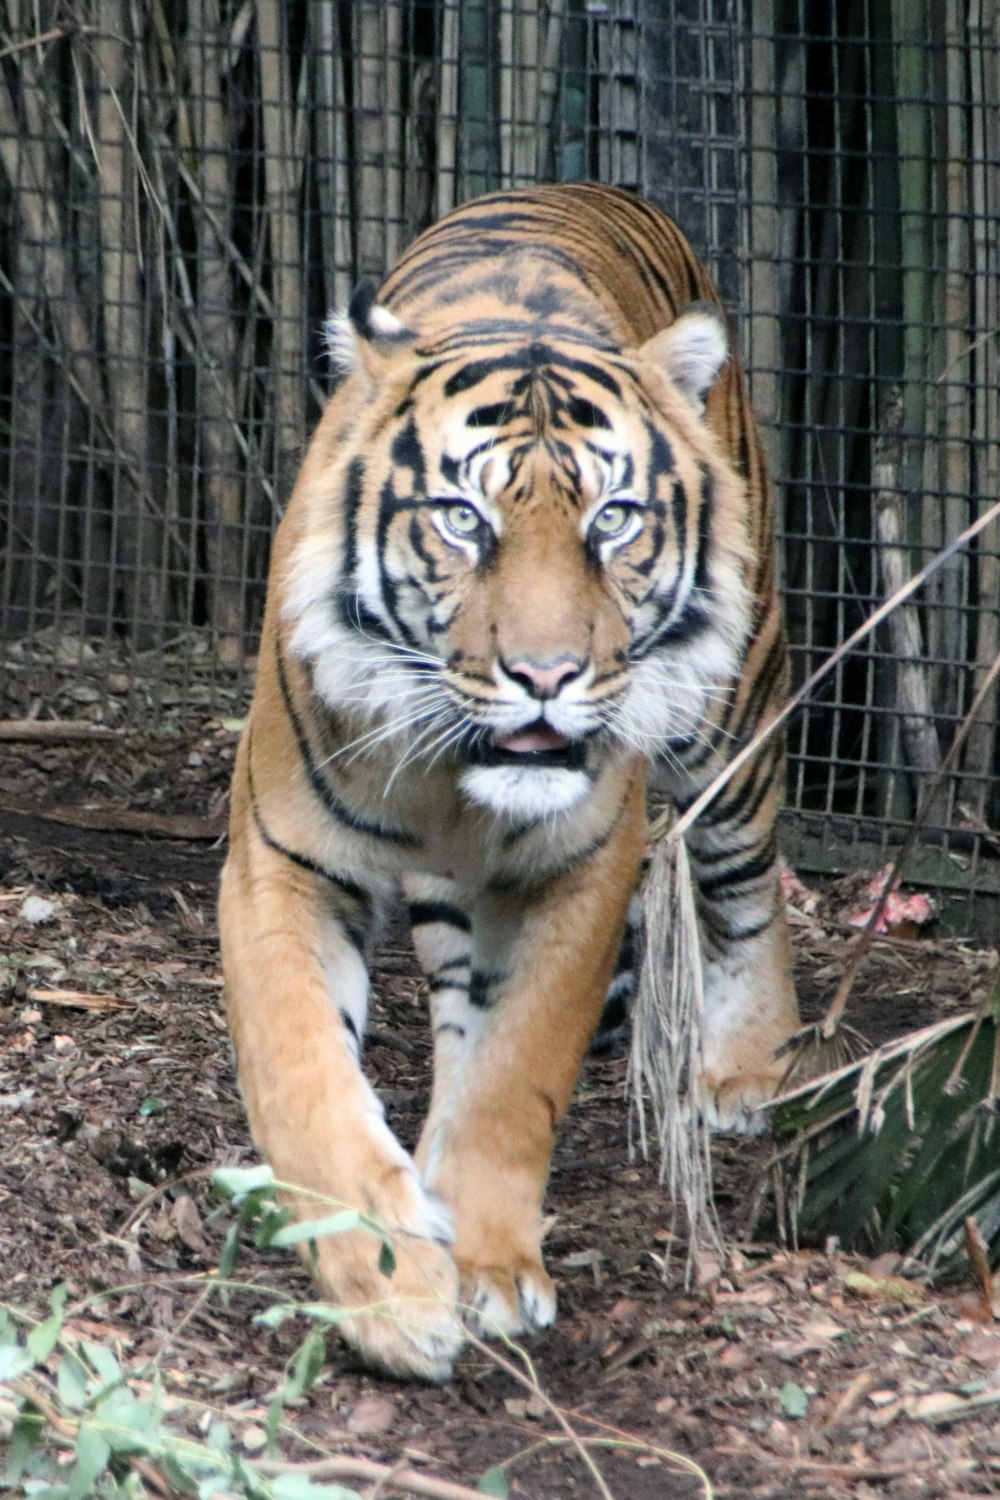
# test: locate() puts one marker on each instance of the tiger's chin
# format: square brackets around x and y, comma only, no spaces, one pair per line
[525,793]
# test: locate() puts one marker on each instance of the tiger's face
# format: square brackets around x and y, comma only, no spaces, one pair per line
[525,555]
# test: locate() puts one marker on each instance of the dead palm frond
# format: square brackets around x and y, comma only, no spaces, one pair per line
[896,1151]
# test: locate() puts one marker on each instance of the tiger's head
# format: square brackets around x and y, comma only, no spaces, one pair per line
[520,547]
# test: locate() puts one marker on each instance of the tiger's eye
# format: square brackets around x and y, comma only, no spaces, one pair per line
[611,520]
[463,520]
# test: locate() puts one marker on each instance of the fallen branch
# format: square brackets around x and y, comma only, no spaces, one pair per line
[77,999]
[366,1469]
[123,820]
[55,731]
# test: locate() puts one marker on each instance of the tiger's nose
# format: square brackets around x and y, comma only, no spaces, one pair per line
[544,679]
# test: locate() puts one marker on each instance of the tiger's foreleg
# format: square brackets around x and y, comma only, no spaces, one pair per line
[487,1145]
[296,987]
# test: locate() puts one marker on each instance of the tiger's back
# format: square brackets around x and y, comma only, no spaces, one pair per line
[525,575]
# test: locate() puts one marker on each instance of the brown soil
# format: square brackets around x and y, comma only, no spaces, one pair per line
[112,1119]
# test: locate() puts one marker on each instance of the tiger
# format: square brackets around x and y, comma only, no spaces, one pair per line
[525,581]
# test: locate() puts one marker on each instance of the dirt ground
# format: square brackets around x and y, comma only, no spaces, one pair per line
[775,1377]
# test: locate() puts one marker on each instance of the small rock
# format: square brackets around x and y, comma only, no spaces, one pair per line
[36,911]
[372,1414]
[253,1438]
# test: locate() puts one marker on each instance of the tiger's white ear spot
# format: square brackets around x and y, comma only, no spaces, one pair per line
[341,342]
[365,333]
[692,351]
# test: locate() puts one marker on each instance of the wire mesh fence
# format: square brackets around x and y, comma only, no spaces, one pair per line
[186,190]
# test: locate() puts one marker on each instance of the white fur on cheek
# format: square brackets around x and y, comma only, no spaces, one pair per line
[525,792]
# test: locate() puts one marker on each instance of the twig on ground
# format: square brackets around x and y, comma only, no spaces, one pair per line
[55,731]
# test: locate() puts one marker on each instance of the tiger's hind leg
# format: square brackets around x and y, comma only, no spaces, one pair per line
[442,936]
[750,1008]
[612,1028]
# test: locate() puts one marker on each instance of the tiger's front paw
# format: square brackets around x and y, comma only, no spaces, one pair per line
[405,1323]
[501,1300]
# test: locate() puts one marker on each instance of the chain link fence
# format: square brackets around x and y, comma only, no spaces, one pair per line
[186,190]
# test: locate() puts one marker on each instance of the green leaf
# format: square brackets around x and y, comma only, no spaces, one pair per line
[28,1428]
[237,1181]
[129,1425]
[103,1361]
[793,1399]
[43,1338]
[308,1366]
[71,1381]
[302,1487]
[275,1315]
[274,1413]
[14,1360]
[230,1251]
[494,1482]
[151,1105]
[92,1454]
[314,1229]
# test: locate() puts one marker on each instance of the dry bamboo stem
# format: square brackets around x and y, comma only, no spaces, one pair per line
[281,172]
[378,96]
[141,550]
[223,490]
[508,89]
[548,87]
[447,127]
[30,518]
[913,699]
[23,162]
[948,399]
[330,124]
[762,298]
[984,36]
[527,88]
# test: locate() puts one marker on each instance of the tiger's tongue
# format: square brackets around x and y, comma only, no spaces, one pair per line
[536,736]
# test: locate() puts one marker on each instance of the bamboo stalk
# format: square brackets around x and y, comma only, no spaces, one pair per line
[378,113]
[548,89]
[527,86]
[949,413]
[447,129]
[281,171]
[913,700]
[30,519]
[332,175]
[762,275]
[984,37]
[508,89]
[216,396]
[141,541]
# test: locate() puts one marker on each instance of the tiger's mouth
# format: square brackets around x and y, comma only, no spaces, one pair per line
[535,744]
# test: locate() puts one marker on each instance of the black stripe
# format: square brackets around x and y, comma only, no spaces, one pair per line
[480,985]
[331,802]
[422,913]
[742,873]
[355,928]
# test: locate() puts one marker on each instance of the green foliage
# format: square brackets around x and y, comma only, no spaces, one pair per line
[90,1407]
[895,1151]
[98,1416]
[494,1482]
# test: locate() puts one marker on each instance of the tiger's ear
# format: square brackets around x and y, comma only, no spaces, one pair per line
[692,351]
[367,335]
